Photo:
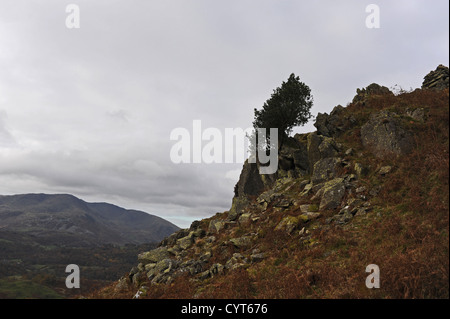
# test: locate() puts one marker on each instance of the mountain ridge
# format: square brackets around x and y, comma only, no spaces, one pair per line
[67,215]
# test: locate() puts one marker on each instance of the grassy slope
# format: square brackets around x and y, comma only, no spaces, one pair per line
[16,288]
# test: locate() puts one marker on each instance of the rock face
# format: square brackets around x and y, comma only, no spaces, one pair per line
[250,182]
[437,79]
[384,135]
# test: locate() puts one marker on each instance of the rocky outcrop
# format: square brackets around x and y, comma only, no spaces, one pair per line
[437,79]
[335,123]
[371,90]
[384,135]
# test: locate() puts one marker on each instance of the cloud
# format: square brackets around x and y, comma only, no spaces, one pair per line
[6,139]
[89,111]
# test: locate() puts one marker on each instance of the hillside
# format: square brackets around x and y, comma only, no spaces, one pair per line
[370,186]
[41,234]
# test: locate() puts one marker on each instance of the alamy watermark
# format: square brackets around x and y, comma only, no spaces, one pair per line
[230,147]
[373,280]
[73,280]
[373,19]
[73,17]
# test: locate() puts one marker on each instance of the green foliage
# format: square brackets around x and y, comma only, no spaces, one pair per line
[288,106]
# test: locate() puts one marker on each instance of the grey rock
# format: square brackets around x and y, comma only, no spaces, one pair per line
[333,192]
[154,256]
[437,79]
[237,207]
[325,169]
[186,242]
[320,147]
[250,182]
[384,135]
[289,224]
[244,218]
[241,242]
[333,124]
[385,170]
[165,266]
[371,90]
[215,226]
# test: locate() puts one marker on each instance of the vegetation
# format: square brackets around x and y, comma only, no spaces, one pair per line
[288,106]
[29,270]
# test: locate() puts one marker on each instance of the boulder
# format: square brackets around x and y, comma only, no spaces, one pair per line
[289,224]
[172,239]
[384,135]
[320,147]
[186,242]
[215,226]
[241,242]
[244,218]
[237,207]
[325,169]
[332,193]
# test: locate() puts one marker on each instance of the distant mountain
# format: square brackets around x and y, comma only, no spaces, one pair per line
[65,220]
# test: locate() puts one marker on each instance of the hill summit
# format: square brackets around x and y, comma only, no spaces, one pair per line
[370,186]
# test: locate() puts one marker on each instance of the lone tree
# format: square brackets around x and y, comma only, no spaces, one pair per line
[289,106]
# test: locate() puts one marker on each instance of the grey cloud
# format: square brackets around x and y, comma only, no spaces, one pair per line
[90,111]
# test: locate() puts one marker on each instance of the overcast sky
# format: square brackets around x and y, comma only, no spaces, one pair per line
[89,111]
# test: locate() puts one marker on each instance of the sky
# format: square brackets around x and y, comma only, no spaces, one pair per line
[89,110]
